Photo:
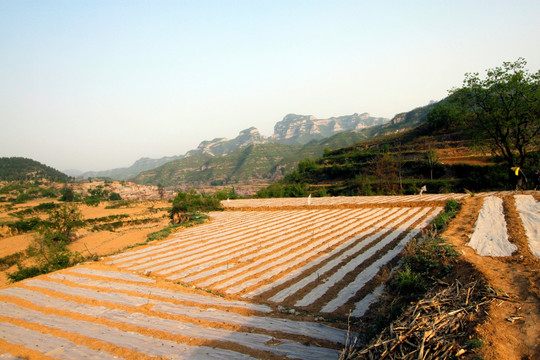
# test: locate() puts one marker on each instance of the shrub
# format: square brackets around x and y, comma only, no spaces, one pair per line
[91,201]
[120,204]
[45,206]
[49,254]
[450,211]
[115,196]
[186,206]
[24,273]
[431,257]
[226,194]
[67,194]
[408,283]
[10,260]
[48,193]
[22,226]
[63,221]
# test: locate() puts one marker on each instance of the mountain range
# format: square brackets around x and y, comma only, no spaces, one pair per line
[292,130]
[263,160]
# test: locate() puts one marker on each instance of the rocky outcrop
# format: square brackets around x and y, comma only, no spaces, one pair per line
[399,118]
[301,129]
[223,146]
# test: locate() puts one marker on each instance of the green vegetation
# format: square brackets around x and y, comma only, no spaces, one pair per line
[8,261]
[165,232]
[99,194]
[49,250]
[390,165]
[113,225]
[120,204]
[425,262]
[23,225]
[502,111]
[187,206]
[443,219]
[20,192]
[225,194]
[49,254]
[68,194]
[62,221]
[36,209]
[22,169]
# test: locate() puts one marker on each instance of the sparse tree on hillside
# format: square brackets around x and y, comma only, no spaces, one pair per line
[431,160]
[399,163]
[161,192]
[62,221]
[503,110]
[386,172]
[67,194]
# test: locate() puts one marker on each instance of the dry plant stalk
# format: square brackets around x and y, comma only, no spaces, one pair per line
[429,330]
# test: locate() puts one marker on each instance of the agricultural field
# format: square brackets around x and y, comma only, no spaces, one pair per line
[109,227]
[265,279]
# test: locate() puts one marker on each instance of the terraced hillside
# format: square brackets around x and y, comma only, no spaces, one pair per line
[260,280]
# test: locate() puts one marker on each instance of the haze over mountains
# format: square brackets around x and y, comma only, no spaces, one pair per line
[292,130]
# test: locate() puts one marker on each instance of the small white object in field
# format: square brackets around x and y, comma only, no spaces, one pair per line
[228,200]
[422,189]
[309,199]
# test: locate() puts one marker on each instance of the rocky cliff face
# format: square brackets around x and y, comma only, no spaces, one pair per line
[301,129]
[223,146]
[293,129]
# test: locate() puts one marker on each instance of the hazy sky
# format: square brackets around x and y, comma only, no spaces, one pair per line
[95,85]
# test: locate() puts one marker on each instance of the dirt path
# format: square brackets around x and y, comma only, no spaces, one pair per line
[512,330]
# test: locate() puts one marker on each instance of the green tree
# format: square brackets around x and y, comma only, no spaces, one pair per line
[161,191]
[115,196]
[445,115]
[62,221]
[67,194]
[503,110]
[187,205]
[431,159]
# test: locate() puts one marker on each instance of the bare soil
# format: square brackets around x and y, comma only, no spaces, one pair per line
[89,242]
[511,330]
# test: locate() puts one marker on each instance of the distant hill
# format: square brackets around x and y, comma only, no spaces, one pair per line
[125,173]
[268,161]
[21,169]
[255,161]
[293,129]
[73,172]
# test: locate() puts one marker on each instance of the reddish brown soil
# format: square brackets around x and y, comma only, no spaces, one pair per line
[511,330]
